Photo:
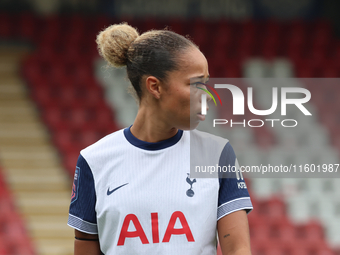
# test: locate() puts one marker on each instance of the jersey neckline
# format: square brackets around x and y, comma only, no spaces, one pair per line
[151,146]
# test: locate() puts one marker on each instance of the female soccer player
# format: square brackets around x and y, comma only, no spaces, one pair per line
[132,191]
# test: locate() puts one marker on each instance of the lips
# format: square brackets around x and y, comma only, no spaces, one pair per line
[201,117]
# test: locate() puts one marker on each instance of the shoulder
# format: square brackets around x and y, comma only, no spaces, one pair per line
[104,144]
[103,150]
[206,151]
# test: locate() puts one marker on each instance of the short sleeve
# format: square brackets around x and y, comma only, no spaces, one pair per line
[82,213]
[233,193]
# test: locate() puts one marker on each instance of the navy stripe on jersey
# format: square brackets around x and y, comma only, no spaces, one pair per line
[82,225]
[232,196]
[152,146]
[233,206]
[82,214]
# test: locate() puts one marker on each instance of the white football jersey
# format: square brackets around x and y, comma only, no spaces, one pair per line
[140,199]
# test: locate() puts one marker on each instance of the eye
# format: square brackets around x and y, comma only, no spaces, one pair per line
[198,84]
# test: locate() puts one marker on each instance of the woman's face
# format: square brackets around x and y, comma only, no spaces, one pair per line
[181,102]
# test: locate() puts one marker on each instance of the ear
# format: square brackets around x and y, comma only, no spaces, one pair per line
[153,86]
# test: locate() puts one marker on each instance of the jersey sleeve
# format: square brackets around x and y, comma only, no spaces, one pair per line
[233,194]
[82,213]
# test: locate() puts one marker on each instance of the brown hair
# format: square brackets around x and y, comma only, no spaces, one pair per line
[155,52]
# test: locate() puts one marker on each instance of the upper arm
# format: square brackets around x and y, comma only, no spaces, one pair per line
[233,233]
[233,193]
[82,213]
[86,247]
[233,204]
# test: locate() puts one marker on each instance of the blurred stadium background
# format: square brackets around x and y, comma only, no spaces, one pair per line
[57,97]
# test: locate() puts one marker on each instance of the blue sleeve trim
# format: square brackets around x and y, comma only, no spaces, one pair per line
[238,204]
[81,225]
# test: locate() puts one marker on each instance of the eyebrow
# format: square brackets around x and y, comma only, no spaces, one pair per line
[200,77]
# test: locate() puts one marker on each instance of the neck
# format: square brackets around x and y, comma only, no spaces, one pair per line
[150,127]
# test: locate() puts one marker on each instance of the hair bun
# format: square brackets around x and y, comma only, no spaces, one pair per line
[114,42]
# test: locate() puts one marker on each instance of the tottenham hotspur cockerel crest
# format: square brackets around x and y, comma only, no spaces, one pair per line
[190,192]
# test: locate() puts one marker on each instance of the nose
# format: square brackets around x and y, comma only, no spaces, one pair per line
[209,98]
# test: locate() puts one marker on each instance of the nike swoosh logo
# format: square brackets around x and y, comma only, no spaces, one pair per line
[110,192]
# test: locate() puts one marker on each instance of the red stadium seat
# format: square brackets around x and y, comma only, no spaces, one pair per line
[16,237]
[55,119]
[330,72]
[273,250]
[13,236]
[222,39]
[297,250]
[295,53]
[67,96]
[267,247]
[323,26]
[43,95]
[287,234]
[260,233]
[321,39]
[3,246]
[177,26]
[264,138]
[296,38]
[77,117]
[64,140]
[269,50]
[101,23]
[81,75]
[23,249]
[311,236]
[94,98]
[151,23]
[336,140]
[70,161]
[88,137]
[77,24]
[272,27]
[5,25]
[27,25]
[51,29]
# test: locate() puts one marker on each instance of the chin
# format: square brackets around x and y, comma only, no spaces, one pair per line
[187,126]
[193,125]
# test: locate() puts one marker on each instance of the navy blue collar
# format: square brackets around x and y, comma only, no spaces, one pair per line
[152,146]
